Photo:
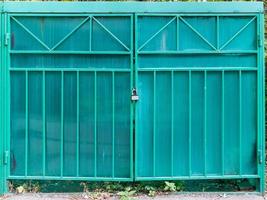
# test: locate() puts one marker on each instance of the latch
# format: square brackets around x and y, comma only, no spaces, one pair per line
[134,96]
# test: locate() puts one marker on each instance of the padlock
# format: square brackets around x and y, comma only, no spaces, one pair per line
[134,96]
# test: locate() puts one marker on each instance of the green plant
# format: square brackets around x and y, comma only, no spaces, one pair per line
[22,187]
[127,194]
[98,190]
[151,191]
[170,187]
[85,187]
[179,185]
[113,187]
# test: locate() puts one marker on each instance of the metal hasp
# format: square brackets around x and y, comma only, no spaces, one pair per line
[132,91]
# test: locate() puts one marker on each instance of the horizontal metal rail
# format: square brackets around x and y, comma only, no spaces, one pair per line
[194,15]
[197,177]
[71,15]
[200,69]
[127,52]
[200,52]
[71,52]
[68,178]
[71,69]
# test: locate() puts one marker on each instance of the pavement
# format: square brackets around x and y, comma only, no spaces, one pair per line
[188,196]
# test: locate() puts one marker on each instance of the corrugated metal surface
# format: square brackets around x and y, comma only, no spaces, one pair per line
[198,114]
[70,96]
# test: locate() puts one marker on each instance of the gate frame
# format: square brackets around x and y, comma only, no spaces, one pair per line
[261,103]
[4,103]
[133,8]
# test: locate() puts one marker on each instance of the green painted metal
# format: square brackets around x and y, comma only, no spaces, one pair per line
[200,108]
[2,149]
[68,71]
[4,146]
[133,7]
[56,92]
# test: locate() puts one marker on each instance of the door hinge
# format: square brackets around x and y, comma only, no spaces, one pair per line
[6,157]
[260,159]
[260,41]
[134,95]
[7,38]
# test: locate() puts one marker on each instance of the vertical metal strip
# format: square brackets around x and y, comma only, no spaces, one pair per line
[177,32]
[2,133]
[90,33]
[222,123]
[6,102]
[135,112]
[132,117]
[44,124]
[260,104]
[240,122]
[3,104]
[26,123]
[261,69]
[62,127]
[2,179]
[78,125]
[113,126]
[218,32]
[95,128]
[7,56]
[205,123]
[258,185]
[259,142]
[172,121]
[261,96]
[154,122]
[190,124]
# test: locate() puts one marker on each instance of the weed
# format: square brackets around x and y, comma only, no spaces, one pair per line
[169,187]
[98,190]
[127,194]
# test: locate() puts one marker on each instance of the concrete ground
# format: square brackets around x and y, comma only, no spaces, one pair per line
[192,196]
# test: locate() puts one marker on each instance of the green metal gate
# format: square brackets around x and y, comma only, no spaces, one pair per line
[197,79]
[132,91]
[70,113]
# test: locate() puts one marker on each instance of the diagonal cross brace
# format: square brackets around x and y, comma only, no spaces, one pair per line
[155,34]
[194,30]
[237,33]
[108,31]
[60,42]
[70,33]
[28,31]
